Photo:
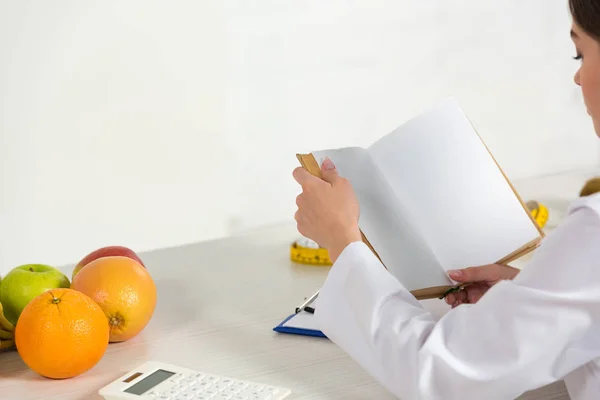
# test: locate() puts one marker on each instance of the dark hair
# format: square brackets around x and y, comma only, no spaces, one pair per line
[586,14]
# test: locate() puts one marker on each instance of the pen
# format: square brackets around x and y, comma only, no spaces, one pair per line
[307,302]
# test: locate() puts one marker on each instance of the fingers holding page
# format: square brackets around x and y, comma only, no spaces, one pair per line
[470,294]
[301,175]
[491,273]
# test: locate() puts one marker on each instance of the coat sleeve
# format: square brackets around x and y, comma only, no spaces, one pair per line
[523,334]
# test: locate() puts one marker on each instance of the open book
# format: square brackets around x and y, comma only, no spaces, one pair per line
[432,198]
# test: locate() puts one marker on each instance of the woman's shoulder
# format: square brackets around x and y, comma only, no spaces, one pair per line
[590,202]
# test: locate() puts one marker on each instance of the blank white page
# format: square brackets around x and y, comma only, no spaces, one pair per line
[385,222]
[443,174]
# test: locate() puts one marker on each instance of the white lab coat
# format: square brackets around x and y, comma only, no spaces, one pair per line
[541,327]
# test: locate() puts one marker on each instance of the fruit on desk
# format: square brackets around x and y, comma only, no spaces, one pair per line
[7,340]
[61,334]
[4,323]
[6,332]
[107,251]
[124,290]
[6,335]
[25,282]
[7,344]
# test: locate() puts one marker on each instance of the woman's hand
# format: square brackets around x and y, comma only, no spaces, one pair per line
[328,210]
[480,279]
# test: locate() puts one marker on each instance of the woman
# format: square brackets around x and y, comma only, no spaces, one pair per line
[529,329]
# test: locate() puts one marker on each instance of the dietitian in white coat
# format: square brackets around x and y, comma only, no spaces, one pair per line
[524,333]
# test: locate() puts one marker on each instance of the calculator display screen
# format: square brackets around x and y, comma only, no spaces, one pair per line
[149,382]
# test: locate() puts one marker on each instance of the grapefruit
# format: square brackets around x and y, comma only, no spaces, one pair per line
[61,333]
[124,290]
[106,252]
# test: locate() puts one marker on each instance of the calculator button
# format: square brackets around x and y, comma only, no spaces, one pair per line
[195,389]
[239,385]
[222,385]
[232,390]
[210,392]
[204,384]
[250,393]
[177,378]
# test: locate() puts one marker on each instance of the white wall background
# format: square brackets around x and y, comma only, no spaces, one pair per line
[156,123]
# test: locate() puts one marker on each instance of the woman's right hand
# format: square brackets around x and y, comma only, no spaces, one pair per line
[480,279]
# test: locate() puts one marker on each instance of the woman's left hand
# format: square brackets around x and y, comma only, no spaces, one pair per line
[328,210]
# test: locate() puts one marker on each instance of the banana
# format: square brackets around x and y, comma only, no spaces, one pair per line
[4,323]
[7,329]
[7,344]
[6,335]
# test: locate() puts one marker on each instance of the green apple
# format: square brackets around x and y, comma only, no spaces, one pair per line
[23,283]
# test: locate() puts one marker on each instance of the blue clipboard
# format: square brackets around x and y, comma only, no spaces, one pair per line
[285,327]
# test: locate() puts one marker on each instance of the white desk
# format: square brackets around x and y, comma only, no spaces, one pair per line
[217,305]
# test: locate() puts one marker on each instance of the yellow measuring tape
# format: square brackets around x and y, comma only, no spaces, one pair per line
[306,251]
[539,212]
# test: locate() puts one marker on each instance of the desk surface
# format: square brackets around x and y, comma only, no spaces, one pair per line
[217,304]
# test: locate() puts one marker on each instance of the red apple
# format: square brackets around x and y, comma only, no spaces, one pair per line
[107,251]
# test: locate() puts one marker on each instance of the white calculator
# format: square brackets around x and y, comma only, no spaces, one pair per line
[160,381]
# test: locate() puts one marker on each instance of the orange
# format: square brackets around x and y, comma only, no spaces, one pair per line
[124,290]
[61,333]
